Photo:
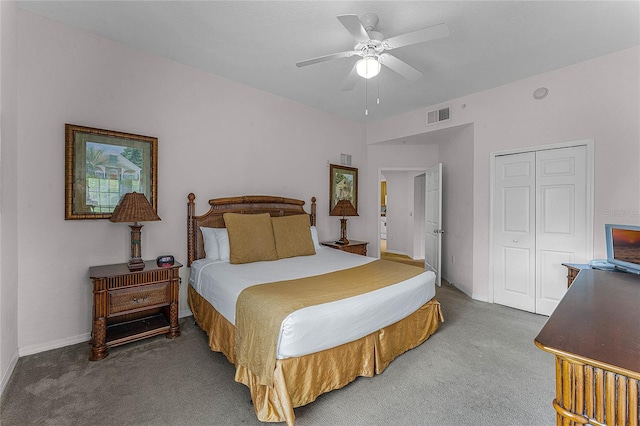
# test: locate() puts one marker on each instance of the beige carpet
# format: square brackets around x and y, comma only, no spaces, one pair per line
[480,368]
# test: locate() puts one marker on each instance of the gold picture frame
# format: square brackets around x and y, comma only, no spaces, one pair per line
[103,165]
[343,184]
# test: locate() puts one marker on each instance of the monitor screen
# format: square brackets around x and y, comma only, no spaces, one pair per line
[623,246]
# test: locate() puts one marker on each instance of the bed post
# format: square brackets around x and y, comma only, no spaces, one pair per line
[313,211]
[191,243]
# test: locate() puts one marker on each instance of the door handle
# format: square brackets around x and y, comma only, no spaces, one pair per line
[438,231]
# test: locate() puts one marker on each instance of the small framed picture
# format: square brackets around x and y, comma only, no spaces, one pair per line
[343,185]
[103,165]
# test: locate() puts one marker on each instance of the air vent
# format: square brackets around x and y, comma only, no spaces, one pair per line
[438,115]
[345,159]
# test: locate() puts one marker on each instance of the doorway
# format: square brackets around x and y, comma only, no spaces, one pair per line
[541,217]
[401,221]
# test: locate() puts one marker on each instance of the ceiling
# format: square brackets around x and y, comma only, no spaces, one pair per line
[258,43]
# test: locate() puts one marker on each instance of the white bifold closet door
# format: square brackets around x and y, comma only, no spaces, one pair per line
[539,219]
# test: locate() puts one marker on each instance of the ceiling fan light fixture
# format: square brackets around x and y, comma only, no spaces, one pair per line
[368,67]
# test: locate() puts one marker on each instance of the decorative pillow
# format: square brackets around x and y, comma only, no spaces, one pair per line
[250,237]
[293,236]
[210,243]
[314,237]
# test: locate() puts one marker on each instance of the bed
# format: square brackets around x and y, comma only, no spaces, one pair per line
[344,306]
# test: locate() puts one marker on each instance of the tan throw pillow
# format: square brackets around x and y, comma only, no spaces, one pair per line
[293,236]
[250,237]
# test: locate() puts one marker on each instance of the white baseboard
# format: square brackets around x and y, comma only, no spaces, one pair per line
[480,297]
[7,374]
[465,291]
[397,252]
[474,296]
[34,349]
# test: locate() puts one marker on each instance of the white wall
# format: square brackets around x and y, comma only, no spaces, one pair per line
[216,138]
[9,193]
[206,124]
[453,147]
[456,156]
[596,99]
[391,158]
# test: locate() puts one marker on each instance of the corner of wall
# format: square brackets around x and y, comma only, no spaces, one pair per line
[8,192]
[8,372]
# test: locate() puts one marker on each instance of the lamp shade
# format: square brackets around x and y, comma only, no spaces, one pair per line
[134,207]
[343,208]
[368,67]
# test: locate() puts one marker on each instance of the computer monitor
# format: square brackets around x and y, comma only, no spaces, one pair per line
[623,247]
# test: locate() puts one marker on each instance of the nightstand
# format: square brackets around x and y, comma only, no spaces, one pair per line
[133,305]
[357,247]
[572,271]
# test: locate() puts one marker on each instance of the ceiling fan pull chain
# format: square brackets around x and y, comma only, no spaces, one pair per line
[378,81]
[366,95]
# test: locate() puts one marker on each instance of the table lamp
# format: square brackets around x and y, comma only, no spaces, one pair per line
[134,207]
[343,208]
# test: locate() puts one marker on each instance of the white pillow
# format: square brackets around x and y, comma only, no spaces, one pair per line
[210,243]
[314,237]
[222,236]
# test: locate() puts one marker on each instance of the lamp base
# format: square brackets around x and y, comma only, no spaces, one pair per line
[135,261]
[343,232]
[135,264]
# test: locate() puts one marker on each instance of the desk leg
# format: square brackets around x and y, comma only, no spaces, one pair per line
[99,326]
[569,393]
[98,343]
[590,395]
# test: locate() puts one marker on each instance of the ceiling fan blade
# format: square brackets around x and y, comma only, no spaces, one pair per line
[401,67]
[325,58]
[354,26]
[351,80]
[426,34]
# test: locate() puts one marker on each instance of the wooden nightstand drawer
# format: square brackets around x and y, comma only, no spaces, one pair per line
[144,297]
[360,249]
[356,247]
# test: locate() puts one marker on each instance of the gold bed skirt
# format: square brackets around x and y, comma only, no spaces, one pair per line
[299,381]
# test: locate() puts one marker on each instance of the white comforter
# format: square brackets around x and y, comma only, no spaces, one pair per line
[318,327]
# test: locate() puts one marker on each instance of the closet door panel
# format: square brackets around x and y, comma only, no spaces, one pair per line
[513,249]
[561,220]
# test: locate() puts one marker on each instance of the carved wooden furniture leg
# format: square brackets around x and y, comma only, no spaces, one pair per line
[98,344]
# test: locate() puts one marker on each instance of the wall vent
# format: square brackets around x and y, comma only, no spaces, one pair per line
[345,159]
[438,115]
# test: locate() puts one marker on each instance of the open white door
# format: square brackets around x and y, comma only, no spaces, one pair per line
[433,221]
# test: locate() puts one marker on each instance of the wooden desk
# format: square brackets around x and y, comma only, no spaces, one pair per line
[595,335]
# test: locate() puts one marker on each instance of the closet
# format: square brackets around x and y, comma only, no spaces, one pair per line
[541,216]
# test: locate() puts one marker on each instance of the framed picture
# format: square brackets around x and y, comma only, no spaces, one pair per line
[343,184]
[103,165]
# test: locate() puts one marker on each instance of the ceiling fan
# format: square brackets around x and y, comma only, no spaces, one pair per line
[371,46]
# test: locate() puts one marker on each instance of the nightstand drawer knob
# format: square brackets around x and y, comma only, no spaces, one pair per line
[140,300]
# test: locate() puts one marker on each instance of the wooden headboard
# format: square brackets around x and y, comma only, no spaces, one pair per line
[248,204]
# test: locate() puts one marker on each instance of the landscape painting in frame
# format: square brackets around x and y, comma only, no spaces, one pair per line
[626,245]
[103,165]
[343,185]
